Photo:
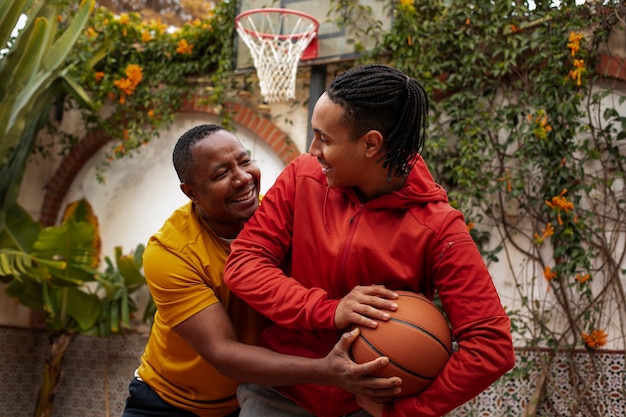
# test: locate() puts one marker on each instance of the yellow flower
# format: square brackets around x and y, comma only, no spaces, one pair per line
[158,26]
[596,339]
[184,47]
[124,18]
[549,274]
[407,6]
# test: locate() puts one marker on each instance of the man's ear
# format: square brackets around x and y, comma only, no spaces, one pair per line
[373,143]
[188,191]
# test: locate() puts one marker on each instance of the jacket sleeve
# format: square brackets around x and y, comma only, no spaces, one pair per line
[255,268]
[480,326]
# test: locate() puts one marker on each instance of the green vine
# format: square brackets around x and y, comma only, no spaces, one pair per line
[139,73]
[524,139]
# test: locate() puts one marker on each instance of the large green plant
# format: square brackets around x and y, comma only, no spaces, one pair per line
[53,271]
[33,72]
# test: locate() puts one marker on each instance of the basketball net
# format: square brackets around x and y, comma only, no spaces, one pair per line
[275,52]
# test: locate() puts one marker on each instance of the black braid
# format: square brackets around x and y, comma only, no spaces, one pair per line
[379,97]
[182,157]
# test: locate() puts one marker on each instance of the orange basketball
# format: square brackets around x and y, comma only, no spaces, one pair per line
[417,341]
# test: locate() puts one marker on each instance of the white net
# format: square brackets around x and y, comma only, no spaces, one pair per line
[276,41]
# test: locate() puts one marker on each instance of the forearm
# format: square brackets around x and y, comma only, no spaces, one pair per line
[262,366]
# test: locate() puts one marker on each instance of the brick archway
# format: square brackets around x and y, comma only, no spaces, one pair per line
[73,162]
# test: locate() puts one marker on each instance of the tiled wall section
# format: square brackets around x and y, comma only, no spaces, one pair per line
[94,383]
[97,372]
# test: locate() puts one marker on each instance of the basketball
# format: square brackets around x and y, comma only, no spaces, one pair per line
[417,341]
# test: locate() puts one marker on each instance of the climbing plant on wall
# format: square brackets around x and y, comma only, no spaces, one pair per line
[524,137]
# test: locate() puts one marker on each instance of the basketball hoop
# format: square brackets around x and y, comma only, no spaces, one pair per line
[278,39]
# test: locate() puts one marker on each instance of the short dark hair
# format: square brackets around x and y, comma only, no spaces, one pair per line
[383,98]
[182,157]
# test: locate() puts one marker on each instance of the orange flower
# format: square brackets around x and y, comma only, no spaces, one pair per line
[125,85]
[541,125]
[578,71]
[183,47]
[582,278]
[134,73]
[151,113]
[91,32]
[548,231]
[560,202]
[146,36]
[470,226]
[574,42]
[549,274]
[98,75]
[596,339]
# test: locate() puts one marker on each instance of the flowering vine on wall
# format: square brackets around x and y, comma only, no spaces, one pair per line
[139,73]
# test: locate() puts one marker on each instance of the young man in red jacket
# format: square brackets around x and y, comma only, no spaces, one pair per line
[358,215]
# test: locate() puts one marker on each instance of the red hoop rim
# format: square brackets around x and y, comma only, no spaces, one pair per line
[279,11]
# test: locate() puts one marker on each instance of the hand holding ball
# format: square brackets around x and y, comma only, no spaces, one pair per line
[416,340]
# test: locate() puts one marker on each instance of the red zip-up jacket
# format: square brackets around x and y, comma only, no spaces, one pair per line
[308,245]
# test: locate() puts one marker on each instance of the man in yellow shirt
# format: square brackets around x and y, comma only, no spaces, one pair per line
[203,338]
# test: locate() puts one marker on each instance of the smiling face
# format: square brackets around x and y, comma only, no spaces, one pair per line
[341,157]
[225,183]
[345,161]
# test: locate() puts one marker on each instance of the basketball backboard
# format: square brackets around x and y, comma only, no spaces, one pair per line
[335,43]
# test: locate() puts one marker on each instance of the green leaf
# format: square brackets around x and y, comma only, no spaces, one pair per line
[84,308]
[62,47]
[20,231]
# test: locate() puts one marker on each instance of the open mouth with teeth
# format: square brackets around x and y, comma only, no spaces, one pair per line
[250,195]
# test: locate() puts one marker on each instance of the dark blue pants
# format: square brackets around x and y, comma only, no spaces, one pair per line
[144,402]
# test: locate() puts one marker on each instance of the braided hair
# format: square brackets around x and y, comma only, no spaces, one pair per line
[382,98]
[182,156]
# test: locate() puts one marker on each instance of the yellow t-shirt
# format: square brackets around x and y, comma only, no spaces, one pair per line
[184,268]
